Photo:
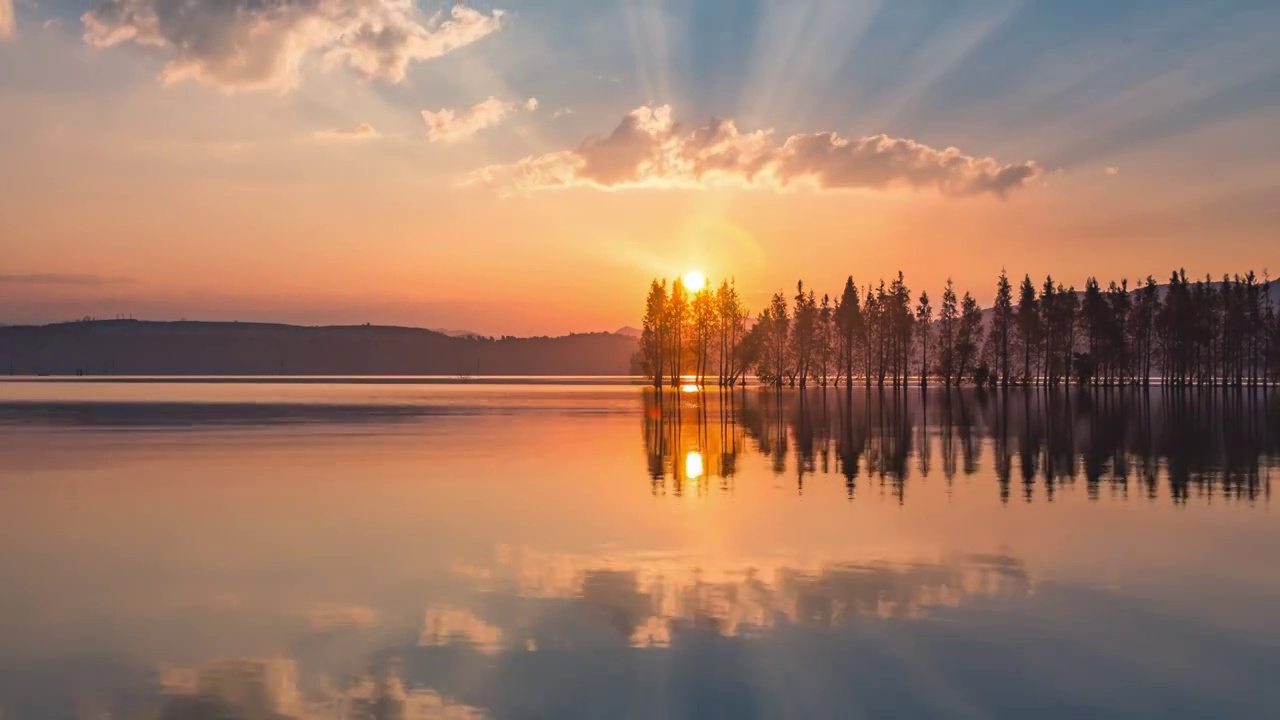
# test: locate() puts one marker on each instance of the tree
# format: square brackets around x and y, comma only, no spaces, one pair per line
[849,323]
[1001,318]
[731,320]
[967,334]
[1094,314]
[1271,334]
[947,321]
[802,335]
[1146,311]
[901,322]
[704,322]
[1119,356]
[1050,336]
[924,319]
[653,334]
[825,344]
[1028,324]
[677,316]
[777,335]
[1068,305]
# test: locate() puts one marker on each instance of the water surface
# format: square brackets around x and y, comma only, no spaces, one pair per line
[336,549]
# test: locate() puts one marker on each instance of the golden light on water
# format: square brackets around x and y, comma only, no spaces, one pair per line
[693,465]
[694,280]
[689,388]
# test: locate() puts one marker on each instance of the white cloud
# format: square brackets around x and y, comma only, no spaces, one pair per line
[8,26]
[451,126]
[1111,171]
[261,44]
[648,149]
[562,112]
[363,131]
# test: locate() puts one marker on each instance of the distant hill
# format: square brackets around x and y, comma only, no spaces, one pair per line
[628,331]
[134,347]
[456,333]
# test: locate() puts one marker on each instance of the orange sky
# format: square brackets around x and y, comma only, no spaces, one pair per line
[131,187]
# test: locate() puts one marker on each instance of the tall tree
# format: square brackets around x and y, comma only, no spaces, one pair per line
[1093,311]
[924,323]
[1145,312]
[968,334]
[825,345]
[948,319]
[1001,318]
[778,336]
[653,334]
[1119,355]
[902,323]
[1028,325]
[1049,330]
[703,321]
[802,334]
[849,320]
[677,317]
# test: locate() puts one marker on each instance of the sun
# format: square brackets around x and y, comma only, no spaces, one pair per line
[694,280]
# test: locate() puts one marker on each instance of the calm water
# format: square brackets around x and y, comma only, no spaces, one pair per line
[353,550]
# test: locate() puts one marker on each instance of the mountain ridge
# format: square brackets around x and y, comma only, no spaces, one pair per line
[191,347]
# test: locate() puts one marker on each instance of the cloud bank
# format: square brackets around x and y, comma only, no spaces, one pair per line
[61,279]
[648,149]
[261,44]
[7,24]
[363,131]
[451,126]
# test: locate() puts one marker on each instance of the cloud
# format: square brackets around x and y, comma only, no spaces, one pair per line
[562,112]
[60,279]
[648,149]
[451,126]
[363,131]
[8,26]
[1111,171]
[261,44]
[331,618]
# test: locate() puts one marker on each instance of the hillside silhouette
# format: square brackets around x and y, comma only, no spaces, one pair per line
[135,347]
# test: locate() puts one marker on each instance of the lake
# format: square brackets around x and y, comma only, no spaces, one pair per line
[403,549]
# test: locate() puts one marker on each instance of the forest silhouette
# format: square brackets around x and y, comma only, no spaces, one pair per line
[1203,333]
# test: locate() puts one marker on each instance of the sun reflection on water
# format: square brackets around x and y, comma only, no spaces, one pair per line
[693,465]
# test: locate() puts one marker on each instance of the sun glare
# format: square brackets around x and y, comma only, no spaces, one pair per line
[694,280]
[693,465]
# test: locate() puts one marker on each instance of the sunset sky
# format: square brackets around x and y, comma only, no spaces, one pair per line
[525,166]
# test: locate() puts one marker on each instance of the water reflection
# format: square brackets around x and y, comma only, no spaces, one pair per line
[647,599]
[1196,444]
[268,689]
[499,553]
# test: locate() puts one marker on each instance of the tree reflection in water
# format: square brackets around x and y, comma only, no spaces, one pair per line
[1120,442]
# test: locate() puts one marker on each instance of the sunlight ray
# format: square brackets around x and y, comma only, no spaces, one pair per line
[799,48]
[648,35]
[940,54]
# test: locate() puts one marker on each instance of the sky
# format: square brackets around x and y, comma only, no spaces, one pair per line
[521,167]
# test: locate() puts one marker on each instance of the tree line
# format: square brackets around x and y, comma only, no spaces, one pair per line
[1202,332]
